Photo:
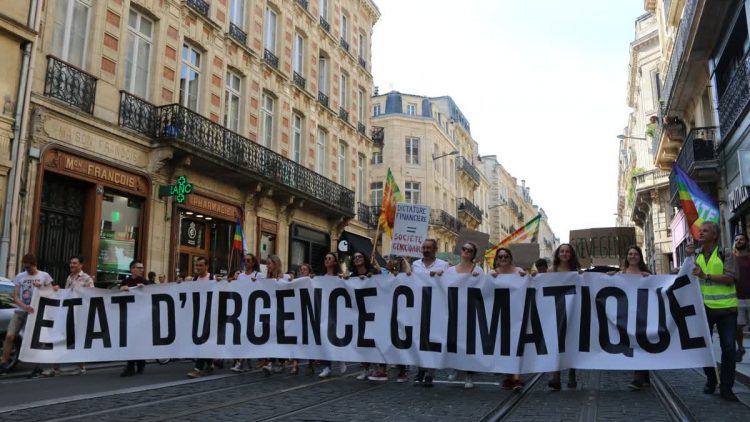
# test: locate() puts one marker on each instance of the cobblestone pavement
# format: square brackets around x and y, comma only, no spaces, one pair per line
[601,395]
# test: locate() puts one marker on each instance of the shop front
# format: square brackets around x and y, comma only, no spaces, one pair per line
[86,207]
[307,245]
[204,227]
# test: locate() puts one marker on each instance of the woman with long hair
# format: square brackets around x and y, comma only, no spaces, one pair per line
[330,268]
[635,264]
[564,260]
[274,272]
[503,264]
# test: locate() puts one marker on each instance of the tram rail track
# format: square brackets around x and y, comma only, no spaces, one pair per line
[506,407]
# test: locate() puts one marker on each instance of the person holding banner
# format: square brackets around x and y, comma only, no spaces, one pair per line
[202,366]
[717,276]
[504,265]
[274,272]
[564,260]
[331,268]
[466,266]
[133,281]
[252,269]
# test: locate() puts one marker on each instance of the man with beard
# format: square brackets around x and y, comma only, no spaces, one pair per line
[742,259]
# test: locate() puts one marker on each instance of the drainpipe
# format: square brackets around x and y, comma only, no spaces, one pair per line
[17,123]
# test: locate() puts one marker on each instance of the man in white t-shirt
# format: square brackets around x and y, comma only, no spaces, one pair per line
[25,283]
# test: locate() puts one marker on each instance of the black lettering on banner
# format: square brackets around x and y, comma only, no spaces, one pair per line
[398,342]
[333,299]
[476,312]
[363,316]
[311,313]
[70,326]
[156,338]
[123,302]
[97,311]
[536,336]
[203,337]
[680,315]
[623,346]
[233,318]
[452,340]
[42,323]
[584,334]
[425,344]
[264,319]
[282,317]
[641,323]
[559,293]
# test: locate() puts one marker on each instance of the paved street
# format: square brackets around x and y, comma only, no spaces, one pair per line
[164,393]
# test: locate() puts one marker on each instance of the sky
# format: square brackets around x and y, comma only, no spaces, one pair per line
[543,85]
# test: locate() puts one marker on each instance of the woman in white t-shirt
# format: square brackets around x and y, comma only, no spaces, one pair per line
[274,272]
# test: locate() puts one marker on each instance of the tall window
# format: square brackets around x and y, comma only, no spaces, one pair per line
[342,164]
[70,29]
[344,90]
[377,156]
[324,9]
[237,13]
[436,163]
[297,125]
[411,109]
[266,121]
[232,102]
[138,56]
[298,58]
[344,27]
[412,151]
[320,153]
[269,36]
[361,106]
[362,45]
[190,77]
[411,192]
[323,74]
[376,193]
[376,110]
[361,193]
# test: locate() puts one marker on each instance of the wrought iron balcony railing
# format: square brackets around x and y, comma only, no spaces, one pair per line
[270,58]
[468,207]
[137,114]
[367,214]
[698,154]
[188,130]
[377,134]
[199,6]
[362,62]
[464,164]
[361,128]
[325,25]
[442,218]
[658,131]
[239,35]
[323,98]
[299,80]
[734,101]
[344,44]
[343,114]
[678,50]
[70,84]
[303,4]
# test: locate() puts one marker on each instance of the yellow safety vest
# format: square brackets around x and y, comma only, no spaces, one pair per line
[716,295]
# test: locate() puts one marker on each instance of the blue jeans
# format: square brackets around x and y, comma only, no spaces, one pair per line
[726,325]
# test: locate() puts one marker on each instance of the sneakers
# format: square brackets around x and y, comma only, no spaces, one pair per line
[363,375]
[325,373]
[419,379]
[636,385]
[403,376]
[36,372]
[342,367]
[739,354]
[267,369]
[237,367]
[51,373]
[4,368]
[507,384]
[468,382]
[78,371]
[378,375]
[428,381]
[709,388]
[452,376]
[518,385]
[728,395]
[278,368]
[197,373]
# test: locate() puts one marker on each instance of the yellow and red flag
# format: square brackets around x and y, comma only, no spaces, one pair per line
[391,196]
[529,231]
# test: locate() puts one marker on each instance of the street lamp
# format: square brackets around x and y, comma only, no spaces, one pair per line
[454,152]
[621,137]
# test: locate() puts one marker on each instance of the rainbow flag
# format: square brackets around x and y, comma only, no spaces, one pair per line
[529,231]
[391,196]
[697,206]
[238,242]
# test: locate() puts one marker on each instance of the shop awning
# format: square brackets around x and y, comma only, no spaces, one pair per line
[350,243]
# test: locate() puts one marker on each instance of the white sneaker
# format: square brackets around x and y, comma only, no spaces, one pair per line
[51,373]
[363,375]
[78,371]
[468,382]
[325,373]
[342,367]
[452,376]
[278,368]
[236,368]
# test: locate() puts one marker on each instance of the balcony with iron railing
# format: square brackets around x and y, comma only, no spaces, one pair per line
[325,25]
[270,58]
[368,214]
[698,158]
[343,114]
[199,6]
[443,219]
[362,63]
[323,99]
[377,134]
[185,130]
[734,101]
[237,34]
[464,165]
[362,129]
[344,44]
[303,4]
[676,60]
[468,208]
[70,84]
[299,81]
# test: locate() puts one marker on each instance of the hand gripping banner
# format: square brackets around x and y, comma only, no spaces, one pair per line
[507,324]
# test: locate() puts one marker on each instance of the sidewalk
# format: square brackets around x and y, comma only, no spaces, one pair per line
[743,368]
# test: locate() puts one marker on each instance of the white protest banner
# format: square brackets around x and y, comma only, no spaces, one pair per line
[410,229]
[507,324]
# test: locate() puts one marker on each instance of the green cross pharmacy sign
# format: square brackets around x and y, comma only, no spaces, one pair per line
[180,190]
